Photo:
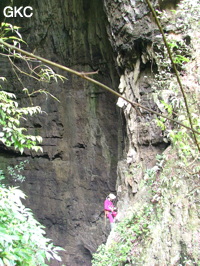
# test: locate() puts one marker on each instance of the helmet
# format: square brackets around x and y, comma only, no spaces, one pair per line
[111,196]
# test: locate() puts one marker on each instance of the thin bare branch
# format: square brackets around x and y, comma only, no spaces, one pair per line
[21,71]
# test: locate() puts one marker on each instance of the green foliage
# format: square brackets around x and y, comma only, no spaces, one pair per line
[10,34]
[173,183]
[169,182]
[22,240]
[184,56]
[15,172]
[11,115]
[165,184]
[166,179]
[131,233]
[40,72]
[181,137]
[12,134]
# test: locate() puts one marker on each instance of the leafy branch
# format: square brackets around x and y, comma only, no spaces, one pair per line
[12,134]
[22,237]
[34,69]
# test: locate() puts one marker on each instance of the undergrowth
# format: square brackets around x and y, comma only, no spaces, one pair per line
[171,189]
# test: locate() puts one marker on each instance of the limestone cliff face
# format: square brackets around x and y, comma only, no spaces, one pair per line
[82,139]
[132,34]
[93,142]
[174,238]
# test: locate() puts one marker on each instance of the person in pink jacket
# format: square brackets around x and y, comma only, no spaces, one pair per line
[110,210]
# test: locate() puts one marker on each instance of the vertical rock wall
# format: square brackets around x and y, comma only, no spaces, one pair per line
[67,184]
[83,140]
[132,34]
[174,236]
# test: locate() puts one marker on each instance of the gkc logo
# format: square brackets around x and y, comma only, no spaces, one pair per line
[13,12]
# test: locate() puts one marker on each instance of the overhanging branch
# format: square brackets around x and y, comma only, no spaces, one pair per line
[84,76]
